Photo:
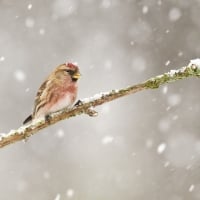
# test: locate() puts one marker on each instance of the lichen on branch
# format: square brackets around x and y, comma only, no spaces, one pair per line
[87,105]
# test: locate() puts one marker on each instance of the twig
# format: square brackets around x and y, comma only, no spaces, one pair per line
[86,106]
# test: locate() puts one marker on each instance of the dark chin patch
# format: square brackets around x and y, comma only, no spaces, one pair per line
[74,79]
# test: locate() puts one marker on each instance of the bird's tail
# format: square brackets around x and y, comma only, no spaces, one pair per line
[28,119]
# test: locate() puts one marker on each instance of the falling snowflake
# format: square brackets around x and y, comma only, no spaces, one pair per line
[29,6]
[174,99]
[180,53]
[191,188]
[106,3]
[70,193]
[29,22]
[42,31]
[2,58]
[174,14]
[64,8]
[107,139]
[46,175]
[167,62]
[166,164]
[165,89]
[19,75]
[145,9]
[161,148]
[60,133]
[57,197]
[27,90]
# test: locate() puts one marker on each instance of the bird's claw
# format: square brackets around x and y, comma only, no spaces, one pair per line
[78,103]
[47,118]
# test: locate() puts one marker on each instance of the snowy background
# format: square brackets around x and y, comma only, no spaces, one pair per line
[144,146]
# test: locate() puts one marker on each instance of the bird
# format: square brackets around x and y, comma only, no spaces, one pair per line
[58,91]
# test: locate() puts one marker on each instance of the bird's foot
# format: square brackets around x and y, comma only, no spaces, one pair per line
[47,119]
[78,103]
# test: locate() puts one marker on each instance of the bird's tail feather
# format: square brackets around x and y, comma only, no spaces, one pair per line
[28,119]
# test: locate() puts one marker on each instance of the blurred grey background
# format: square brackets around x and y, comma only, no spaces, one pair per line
[143,146]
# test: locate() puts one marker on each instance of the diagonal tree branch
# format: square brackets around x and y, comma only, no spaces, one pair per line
[86,106]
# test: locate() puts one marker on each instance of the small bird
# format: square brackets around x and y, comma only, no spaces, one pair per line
[58,91]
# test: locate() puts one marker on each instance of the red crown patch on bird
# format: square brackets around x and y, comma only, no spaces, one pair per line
[71,65]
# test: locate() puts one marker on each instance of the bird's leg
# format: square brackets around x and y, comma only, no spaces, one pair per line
[47,118]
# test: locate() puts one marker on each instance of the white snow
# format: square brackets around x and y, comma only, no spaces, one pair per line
[64,8]
[70,193]
[29,7]
[172,72]
[167,31]
[174,99]
[145,9]
[19,75]
[195,62]
[183,69]
[27,90]
[191,188]
[167,62]
[174,14]
[96,96]
[2,58]
[60,133]
[42,31]
[165,89]
[180,53]
[29,22]
[107,139]
[132,43]
[161,148]
[168,108]
[166,164]
[57,197]
[46,175]
[159,2]
[106,3]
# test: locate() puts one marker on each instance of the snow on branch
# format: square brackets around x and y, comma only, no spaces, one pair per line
[87,105]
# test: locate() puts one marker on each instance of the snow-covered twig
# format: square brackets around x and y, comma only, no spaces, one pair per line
[87,105]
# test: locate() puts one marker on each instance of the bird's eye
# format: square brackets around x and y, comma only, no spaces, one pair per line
[71,72]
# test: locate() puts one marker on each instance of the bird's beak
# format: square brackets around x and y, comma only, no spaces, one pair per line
[77,75]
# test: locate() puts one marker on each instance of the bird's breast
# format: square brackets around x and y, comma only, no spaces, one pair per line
[62,102]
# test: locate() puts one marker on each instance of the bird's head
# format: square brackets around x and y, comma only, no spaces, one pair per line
[69,70]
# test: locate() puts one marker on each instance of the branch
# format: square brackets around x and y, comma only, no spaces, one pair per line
[86,106]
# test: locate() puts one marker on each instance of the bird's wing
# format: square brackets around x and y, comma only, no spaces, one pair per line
[41,96]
